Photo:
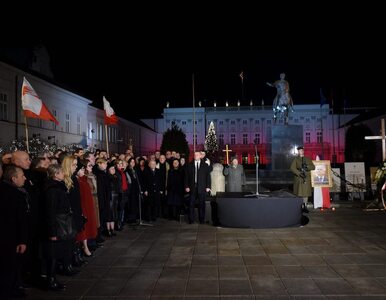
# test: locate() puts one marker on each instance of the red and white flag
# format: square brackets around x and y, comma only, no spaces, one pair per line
[321,195]
[110,117]
[32,105]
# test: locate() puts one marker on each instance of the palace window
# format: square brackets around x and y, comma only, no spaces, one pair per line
[221,139]
[233,139]
[319,137]
[3,107]
[89,130]
[257,138]
[100,132]
[308,137]
[55,113]
[67,123]
[245,138]
[78,126]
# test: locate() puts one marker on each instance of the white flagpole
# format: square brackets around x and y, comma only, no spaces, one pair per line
[242,85]
[194,117]
[107,142]
[26,134]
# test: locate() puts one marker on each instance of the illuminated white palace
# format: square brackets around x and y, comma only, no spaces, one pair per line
[242,126]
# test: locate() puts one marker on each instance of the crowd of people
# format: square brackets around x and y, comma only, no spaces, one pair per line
[58,208]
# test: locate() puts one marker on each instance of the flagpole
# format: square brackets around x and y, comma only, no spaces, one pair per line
[194,116]
[26,134]
[242,85]
[16,109]
[107,142]
[333,130]
[323,100]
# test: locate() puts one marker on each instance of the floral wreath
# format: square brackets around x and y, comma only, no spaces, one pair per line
[381,173]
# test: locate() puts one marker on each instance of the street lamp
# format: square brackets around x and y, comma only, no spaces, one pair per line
[92,134]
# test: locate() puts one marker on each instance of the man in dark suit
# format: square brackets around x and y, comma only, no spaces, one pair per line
[152,191]
[197,184]
[14,208]
[320,174]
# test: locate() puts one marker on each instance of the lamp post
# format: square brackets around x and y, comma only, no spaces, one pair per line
[92,134]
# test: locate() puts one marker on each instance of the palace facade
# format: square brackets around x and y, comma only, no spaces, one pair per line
[243,127]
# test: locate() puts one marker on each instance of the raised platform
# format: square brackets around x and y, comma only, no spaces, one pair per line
[278,209]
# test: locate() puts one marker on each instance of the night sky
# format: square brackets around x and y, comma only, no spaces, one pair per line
[156,66]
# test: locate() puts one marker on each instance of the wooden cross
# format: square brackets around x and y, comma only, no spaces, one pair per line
[380,137]
[227,150]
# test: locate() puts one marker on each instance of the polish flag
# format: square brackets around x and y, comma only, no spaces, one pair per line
[110,117]
[32,105]
[321,195]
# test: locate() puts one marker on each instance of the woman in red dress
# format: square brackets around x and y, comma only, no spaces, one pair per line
[88,208]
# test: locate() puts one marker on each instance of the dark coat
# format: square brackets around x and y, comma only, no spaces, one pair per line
[203,177]
[14,224]
[163,171]
[38,178]
[141,176]
[33,189]
[153,181]
[14,209]
[133,182]
[74,196]
[104,193]
[119,181]
[56,202]
[133,204]
[175,187]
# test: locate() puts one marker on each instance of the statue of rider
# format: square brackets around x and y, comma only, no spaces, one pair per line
[283,100]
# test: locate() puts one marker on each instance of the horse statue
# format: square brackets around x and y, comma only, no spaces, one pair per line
[282,103]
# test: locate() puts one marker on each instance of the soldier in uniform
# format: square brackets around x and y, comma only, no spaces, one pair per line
[301,167]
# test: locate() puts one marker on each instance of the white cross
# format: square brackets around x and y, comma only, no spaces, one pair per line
[380,137]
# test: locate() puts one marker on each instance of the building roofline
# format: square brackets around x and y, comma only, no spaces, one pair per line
[45,81]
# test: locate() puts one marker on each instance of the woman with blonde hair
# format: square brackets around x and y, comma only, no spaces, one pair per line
[53,248]
[69,165]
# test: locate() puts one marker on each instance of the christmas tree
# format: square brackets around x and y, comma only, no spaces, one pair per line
[211,146]
[174,139]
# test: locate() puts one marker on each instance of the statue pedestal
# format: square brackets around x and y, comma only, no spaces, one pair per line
[285,139]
